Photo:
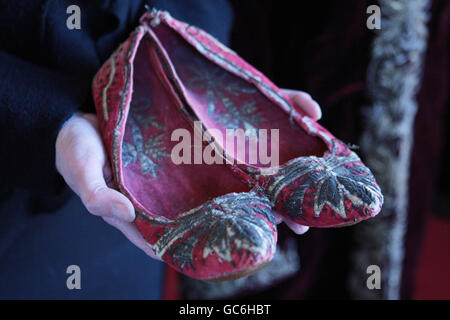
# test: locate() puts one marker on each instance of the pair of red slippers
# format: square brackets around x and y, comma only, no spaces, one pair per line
[215,221]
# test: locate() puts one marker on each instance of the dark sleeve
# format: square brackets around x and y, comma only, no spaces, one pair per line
[34,103]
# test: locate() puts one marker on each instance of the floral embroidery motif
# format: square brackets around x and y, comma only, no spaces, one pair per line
[334,179]
[150,151]
[218,88]
[228,224]
[140,110]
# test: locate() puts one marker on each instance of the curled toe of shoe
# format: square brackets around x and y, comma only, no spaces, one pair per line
[226,238]
[325,191]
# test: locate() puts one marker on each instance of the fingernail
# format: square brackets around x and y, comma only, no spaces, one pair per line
[297,228]
[307,95]
[302,229]
[319,116]
[122,212]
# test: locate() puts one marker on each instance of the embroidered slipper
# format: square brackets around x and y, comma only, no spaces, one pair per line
[200,219]
[321,182]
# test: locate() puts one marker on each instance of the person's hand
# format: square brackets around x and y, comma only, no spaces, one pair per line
[304,101]
[82,161]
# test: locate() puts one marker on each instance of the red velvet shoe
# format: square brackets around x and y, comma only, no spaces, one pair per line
[201,219]
[321,183]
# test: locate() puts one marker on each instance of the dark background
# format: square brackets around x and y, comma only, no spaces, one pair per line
[323,48]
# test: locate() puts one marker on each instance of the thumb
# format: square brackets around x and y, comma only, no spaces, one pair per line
[81,160]
[83,165]
[98,198]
